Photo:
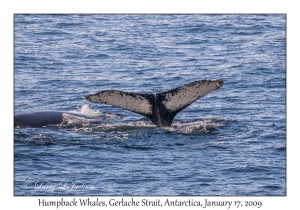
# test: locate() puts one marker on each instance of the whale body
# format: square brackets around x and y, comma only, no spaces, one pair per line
[38,119]
[160,108]
[45,118]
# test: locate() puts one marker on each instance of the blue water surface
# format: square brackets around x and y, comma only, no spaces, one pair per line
[230,142]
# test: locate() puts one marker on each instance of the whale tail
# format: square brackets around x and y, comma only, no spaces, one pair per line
[160,108]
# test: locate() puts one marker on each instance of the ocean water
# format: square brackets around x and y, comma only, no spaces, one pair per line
[230,142]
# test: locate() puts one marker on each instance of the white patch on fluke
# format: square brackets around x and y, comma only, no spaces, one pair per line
[135,103]
[188,94]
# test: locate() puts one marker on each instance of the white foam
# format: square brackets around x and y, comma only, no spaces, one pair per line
[203,124]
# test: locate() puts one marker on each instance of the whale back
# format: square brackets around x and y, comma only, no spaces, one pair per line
[38,119]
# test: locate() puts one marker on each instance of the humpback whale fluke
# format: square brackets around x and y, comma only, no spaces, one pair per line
[160,108]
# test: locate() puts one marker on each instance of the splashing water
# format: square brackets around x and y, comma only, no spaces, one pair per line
[89,120]
[86,110]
